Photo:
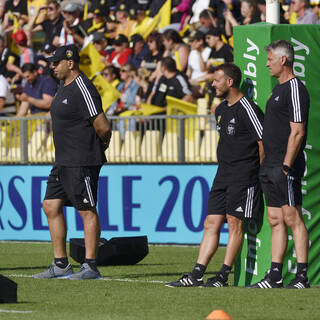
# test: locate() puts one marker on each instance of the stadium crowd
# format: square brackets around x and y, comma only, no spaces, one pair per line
[144,49]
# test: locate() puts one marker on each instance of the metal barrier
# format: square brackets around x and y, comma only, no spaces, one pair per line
[135,139]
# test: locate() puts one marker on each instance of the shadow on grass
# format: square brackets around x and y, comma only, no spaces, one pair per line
[23,268]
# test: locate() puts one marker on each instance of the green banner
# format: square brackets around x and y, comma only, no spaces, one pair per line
[250,56]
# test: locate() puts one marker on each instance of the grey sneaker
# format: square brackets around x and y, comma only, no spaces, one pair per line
[85,273]
[55,272]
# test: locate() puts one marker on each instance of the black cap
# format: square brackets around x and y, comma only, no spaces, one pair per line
[69,52]
[135,38]
[122,7]
[98,36]
[213,32]
[120,39]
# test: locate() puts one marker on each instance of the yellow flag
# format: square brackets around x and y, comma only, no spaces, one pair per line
[90,61]
[165,14]
[108,93]
[145,27]
[179,107]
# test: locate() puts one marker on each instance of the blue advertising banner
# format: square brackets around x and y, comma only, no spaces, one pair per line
[165,202]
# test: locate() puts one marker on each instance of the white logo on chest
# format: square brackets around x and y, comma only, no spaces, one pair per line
[65,101]
[276,98]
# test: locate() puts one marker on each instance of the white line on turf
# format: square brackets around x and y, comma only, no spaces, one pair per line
[105,279]
[14,311]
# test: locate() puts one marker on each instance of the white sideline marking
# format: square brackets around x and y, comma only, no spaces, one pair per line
[105,279]
[14,311]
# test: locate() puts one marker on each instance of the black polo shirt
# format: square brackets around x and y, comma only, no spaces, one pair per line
[224,54]
[289,102]
[76,142]
[239,127]
[177,87]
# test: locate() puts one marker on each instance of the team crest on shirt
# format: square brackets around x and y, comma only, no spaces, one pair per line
[231,130]
[218,124]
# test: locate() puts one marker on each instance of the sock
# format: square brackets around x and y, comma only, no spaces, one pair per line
[225,270]
[92,263]
[198,271]
[61,262]
[275,271]
[302,270]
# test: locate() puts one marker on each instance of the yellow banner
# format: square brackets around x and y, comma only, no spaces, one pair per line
[108,93]
[90,61]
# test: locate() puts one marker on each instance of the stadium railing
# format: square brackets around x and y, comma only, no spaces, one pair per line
[136,139]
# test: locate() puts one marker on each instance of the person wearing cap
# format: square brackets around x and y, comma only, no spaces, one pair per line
[38,91]
[220,52]
[94,24]
[198,57]
[139,50]
[51,26]
[43,64]
[121,53]
[101,43]
[111,26]
[81,134]
[70,32]
[125,25]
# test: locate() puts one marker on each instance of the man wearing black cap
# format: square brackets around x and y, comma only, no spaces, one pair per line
[121,53]
[139,48]
[81,134]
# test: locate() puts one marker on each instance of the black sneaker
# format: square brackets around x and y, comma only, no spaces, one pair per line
[187,280]
[298,283]
[267,283]
[217,281]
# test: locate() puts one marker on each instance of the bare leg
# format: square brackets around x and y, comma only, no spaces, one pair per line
[235,239]
[293,219]
[210,239]
[57,226]
[91,232]
[279,236]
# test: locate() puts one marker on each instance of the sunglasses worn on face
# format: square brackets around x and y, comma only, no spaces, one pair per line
[51,8]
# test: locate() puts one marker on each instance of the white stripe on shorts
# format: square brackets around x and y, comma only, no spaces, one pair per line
[249,203]
[290,191]
[88,187]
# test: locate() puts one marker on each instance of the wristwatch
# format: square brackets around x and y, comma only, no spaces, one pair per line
[286,168]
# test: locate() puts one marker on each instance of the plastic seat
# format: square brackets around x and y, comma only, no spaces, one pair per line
[208,149]
[131,147]
[169,149]
[150,146]
[113,153]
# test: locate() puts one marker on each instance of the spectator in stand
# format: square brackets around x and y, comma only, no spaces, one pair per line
[7,102]
[172,83]
[43,63]
[176,48]
[2,5]
[139,50]
[180,12]
[249,14]
[121,53]
[220,52]
[125,25]
[94,24]
[111,26]
[70,32]
[128,89]
[112,75]
[18,8]
[101,43]
[156,49]
[196,8]
[38,92]
[51,26]
[304,12]
[198,56]
[209,19]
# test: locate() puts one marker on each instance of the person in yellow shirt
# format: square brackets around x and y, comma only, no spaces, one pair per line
[33,7]
[125,25]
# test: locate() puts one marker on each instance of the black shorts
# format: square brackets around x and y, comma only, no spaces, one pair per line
[279,189]
[243,201]
[78,186]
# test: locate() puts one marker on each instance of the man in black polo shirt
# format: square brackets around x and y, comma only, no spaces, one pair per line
[173,83]
[284,138]
[235,193]
[81,134]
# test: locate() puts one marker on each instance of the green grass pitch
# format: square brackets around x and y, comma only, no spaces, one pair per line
[138,292]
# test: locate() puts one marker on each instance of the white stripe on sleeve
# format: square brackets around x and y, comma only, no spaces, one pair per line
[295,100]
[87,97]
